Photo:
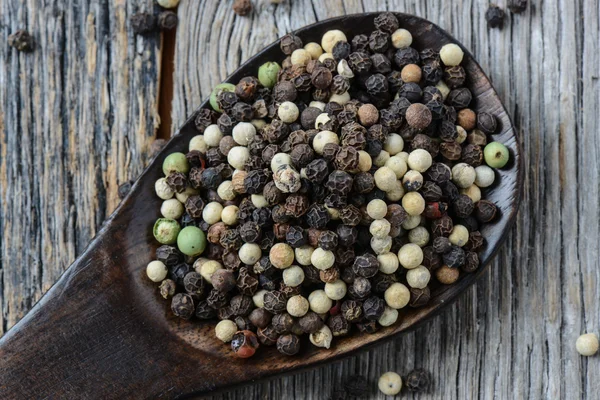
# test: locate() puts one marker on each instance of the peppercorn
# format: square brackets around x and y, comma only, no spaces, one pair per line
[288,344]
[241,305]
[373,308]
[260,318]
[419,297]
[142,23]
[275,301]
[301,155]
[454,76]
[471,262]
[472,155]
[182,305]
[475,242]
[360,62]
[418,380]
[193,283]
[495,17]
[178,272]
[455,257]
[167,288]
[168,255]
[246,283]
[411,92]
[357,386]
[442,226]
[485,211]
[282,322]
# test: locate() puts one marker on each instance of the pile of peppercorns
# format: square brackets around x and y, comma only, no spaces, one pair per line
[322,195]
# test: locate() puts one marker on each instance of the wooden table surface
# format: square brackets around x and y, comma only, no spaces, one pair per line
[78,115]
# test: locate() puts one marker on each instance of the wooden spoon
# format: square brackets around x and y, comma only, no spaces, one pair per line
[103,331]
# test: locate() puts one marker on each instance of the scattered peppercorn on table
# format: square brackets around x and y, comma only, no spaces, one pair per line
[520,306]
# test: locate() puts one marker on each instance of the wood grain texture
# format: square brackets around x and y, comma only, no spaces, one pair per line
[512,335]
[77,117]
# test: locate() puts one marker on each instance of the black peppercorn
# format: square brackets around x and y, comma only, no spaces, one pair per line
[275,301]
[296,237]
[246,283]
[182,305]
[204,311]
[267,336]
[378,41]
[485,210]
[260,318]
[347,235]
[282,322]
[373,308]
[289,43]
[463,206]
[406,56]
[432,72]
[360,288]
[442,226]
[360,62]
[475,241]
[454,76]
[419,297]
[346,159]
[350,215]
[495,17]
[241,305]
[418,380]
[262,216]
[471,262]
[168,255]
[317,216]
[487,123]
[178,272]
[193,284]
[451,150]
[366,265]
[455,257]
[217,299]
[338,325]
[301,155]
[441,244]
[411,91]
[284,91]
[360,42]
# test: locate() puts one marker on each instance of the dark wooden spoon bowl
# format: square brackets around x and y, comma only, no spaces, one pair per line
[103,331]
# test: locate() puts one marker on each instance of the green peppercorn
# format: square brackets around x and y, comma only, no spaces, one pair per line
[267,74]
[166,230]
[496,155]
[222,87]
[175,162]
[191,241]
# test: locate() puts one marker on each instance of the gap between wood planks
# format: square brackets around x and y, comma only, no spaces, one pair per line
[165,86]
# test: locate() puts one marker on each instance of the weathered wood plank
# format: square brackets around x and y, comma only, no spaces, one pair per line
[77,116]
[512,335]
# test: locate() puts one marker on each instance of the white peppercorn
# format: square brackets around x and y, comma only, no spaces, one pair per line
[410,256]
[198,143]
[388,263]
[325,56]
[259,201]
[288,112]
[238,156]
[385,179]
[377,209]
[212,135]
[340,98]
[413,203]
[293,276]
[380,228]
[395,194]
[243,133]
[172,209]
[389,316]
[250,253]
[401,39]
[322,259]
[393,144]
[162,189]
[322,337]
[381,246]
[225,330]
[281,255]
[397,295]
[459,235]
[398,165]
[280,159]
[419,236]
[364,161]
[419,160]
[225,190]
[208,268]
[156,271]
[381,158]
[212,212]
[300,57]
[587,344]
[390,383]
[461,134]
[443,88]
[199,263]
[322,138]
[344,69]
[336,290]
[484,176]
[330,38]
[451,55]
[418,278]
[304,254]
[317,104]
[319,302]
[411,222]
[314,49]
[463,175]
[297,306]
[259,298]
[473,192]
